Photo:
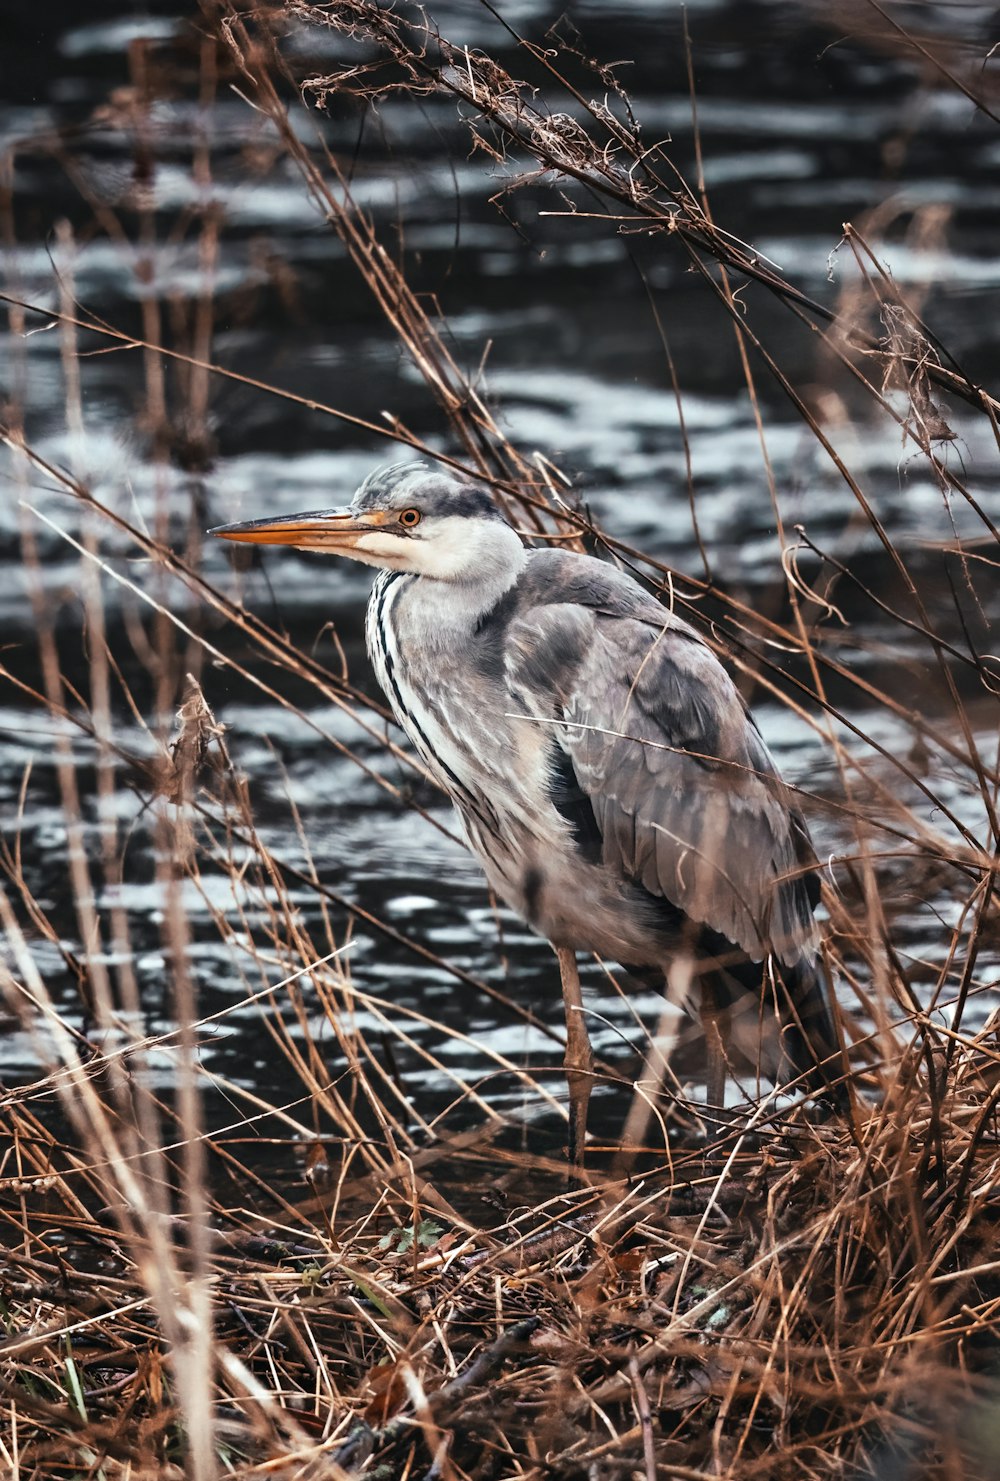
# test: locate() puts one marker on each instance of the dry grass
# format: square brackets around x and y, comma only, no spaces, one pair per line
[315,1288]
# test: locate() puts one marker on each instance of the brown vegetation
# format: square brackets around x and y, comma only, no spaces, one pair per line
[315,1289]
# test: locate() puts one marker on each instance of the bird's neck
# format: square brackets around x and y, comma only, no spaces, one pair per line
[434,615]
[457,600]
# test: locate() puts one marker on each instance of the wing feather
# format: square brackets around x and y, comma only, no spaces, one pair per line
[683,790]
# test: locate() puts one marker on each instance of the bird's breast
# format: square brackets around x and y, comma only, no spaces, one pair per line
[459,714]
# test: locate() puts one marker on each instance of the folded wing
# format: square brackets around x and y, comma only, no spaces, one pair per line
[683,789]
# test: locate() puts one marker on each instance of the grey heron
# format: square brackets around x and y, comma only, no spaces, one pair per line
[602,762]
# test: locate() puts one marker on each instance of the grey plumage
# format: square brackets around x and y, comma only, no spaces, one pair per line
[601,760]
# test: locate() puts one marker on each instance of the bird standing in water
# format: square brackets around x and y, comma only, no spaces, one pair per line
[603,765]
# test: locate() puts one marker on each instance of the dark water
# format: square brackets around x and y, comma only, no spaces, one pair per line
[807,120]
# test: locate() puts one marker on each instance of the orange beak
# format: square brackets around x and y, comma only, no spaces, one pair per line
[322,529]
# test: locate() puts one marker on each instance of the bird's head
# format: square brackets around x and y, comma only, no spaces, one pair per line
[407,517]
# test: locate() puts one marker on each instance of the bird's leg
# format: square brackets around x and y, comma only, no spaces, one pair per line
[715,1073]
[579,1058]
[715,1052]
[685,986]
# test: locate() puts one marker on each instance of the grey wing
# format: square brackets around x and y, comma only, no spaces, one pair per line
[683,789]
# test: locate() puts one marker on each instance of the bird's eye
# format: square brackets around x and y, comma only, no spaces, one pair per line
[409,518]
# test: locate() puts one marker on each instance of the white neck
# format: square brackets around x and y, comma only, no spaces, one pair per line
[459,580]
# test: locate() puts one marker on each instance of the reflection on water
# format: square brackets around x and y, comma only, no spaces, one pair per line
[797,137]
